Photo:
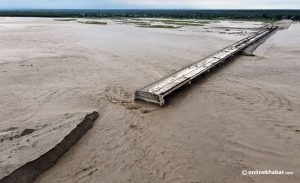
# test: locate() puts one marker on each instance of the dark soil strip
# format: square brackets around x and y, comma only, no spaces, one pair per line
[31,170]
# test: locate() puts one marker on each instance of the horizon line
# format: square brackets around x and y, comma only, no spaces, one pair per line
[141,9]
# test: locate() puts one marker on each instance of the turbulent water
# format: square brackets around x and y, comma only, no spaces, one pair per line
[242,116]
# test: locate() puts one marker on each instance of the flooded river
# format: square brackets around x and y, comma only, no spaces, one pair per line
[244,115]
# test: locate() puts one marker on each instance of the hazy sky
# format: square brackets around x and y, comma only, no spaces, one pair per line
[165,4]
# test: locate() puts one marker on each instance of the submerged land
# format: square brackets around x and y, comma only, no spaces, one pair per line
[242,116]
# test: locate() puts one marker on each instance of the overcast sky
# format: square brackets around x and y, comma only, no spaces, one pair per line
[165,4]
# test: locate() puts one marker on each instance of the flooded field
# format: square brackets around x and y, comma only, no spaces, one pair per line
[242,116]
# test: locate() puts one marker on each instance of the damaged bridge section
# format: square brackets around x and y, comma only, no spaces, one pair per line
[157,91]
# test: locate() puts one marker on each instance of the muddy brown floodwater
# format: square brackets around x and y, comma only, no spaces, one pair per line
[243,116]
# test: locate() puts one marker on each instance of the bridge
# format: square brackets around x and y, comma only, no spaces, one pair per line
[157,91]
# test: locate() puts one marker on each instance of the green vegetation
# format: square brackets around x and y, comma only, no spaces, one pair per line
[163,23]
[92,22]
[186,24]
[175,14]
[159,26]
[183,22]
[83,21]
[65,19]
[142,23]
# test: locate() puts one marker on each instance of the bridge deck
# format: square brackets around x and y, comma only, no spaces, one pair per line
[156,92]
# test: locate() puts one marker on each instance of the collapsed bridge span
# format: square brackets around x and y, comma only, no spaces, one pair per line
[157,91]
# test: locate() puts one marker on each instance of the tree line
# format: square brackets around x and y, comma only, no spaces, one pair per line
[195,14]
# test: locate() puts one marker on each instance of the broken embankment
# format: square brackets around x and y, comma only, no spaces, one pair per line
[31,170]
